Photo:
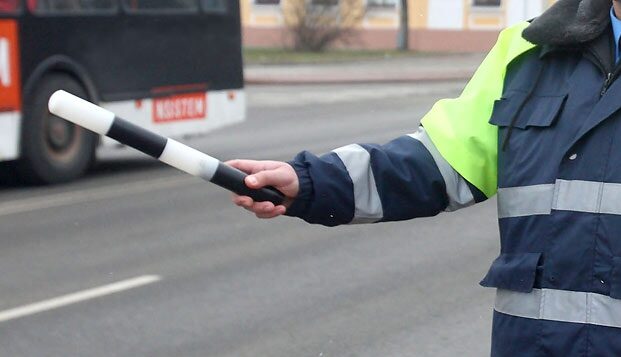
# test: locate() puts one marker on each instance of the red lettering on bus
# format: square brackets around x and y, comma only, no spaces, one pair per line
[192,106]
[9,67]
[8,6]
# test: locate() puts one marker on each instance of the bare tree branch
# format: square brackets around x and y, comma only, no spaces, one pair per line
[317,24]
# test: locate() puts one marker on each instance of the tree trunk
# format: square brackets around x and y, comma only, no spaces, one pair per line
[404,28]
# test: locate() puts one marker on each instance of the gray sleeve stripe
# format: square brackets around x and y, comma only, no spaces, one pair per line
[368,205]
[457,189]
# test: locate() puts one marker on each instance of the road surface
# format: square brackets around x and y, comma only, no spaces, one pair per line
[138,259]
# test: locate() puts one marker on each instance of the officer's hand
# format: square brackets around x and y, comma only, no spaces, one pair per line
[279,175]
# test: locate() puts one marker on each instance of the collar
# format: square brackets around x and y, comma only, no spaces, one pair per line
[616,30]
[570,23]
[601,48]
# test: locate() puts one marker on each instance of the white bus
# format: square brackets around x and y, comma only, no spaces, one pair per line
[172,66]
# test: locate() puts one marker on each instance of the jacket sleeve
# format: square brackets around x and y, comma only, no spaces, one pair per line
[367,183]
[449,164]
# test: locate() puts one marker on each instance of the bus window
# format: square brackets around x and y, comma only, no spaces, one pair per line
[214,6]
[8,6]
[55,7]
[161,5]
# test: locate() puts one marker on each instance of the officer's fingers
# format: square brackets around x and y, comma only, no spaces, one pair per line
[267,209]
[267,215]
[275,212]
[280,209]
[243,201]
[247,166]
[260,209]
[276,178]
[263,207]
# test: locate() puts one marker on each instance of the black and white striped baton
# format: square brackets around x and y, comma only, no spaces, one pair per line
[171,152]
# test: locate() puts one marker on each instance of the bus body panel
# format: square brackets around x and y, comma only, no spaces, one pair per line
[222,107]
[10,131]
[10,90]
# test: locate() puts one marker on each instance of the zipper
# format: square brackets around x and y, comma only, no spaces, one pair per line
[607,83]
[609,74]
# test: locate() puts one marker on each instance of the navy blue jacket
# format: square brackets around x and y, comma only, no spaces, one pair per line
[558,275]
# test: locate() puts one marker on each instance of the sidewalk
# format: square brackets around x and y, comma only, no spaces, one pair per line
[425,67]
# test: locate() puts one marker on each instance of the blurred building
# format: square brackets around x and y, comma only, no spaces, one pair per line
[435,25]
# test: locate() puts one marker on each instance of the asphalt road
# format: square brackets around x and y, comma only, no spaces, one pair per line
[140,260]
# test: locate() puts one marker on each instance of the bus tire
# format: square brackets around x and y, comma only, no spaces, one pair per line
[52,149]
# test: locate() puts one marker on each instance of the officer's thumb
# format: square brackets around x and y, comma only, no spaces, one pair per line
[264,178]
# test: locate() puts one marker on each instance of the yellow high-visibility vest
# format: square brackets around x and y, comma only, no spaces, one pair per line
[459,127]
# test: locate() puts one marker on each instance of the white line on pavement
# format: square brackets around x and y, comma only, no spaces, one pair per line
[74,298]
[86,195]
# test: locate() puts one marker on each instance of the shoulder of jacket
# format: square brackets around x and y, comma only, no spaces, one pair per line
[514,32]
[511,43]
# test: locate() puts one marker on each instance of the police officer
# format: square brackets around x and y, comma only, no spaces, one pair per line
[539,124]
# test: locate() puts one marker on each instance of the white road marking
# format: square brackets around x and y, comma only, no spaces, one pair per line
[87,195]
[74,298]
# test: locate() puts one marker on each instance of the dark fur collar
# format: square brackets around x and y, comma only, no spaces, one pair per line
[570,22]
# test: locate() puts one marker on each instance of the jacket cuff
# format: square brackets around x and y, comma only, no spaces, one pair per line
[300,205]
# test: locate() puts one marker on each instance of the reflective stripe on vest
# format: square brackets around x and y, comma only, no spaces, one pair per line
[564,195]
[561,305]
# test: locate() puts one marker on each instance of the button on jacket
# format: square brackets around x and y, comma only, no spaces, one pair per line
[539,124]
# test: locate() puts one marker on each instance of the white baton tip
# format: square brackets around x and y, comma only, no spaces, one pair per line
[80,112]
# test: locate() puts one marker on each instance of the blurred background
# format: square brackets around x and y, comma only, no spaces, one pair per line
[106,252]
[420,25]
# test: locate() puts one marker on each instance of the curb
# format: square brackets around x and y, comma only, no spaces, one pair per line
[301,80]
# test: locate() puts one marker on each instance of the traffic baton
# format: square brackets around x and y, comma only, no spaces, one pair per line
[169,151]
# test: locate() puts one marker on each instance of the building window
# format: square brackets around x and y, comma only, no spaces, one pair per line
[161,6]
[267,2]
[382,3]
[489,3]
[61,7]
[325,2]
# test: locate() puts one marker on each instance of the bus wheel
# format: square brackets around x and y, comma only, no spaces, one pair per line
[53,150]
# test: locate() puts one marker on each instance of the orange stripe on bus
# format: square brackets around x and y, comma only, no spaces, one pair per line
[10,85]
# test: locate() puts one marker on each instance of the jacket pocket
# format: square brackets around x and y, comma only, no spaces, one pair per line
[514,272]
[538,111]
[615,278]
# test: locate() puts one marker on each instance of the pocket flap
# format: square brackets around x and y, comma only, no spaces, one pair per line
[514,272]
[538,111]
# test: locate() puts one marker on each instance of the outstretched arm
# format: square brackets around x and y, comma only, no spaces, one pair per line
[364,183]
[450,164]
